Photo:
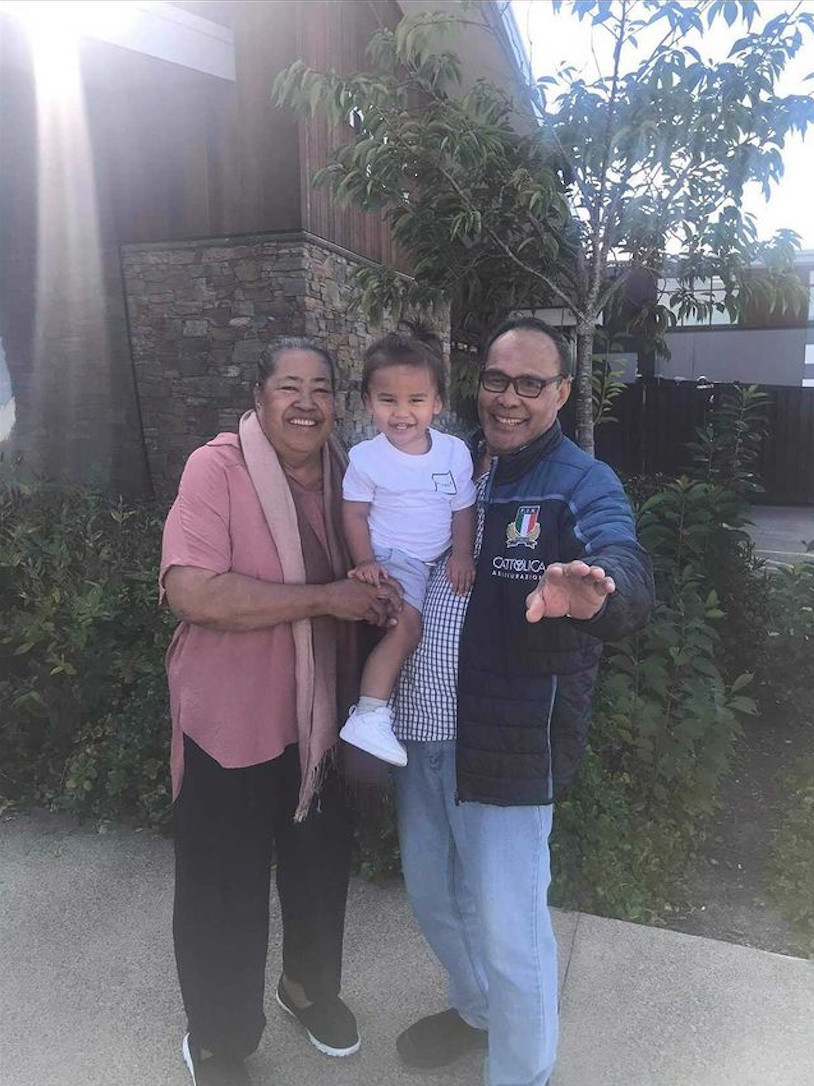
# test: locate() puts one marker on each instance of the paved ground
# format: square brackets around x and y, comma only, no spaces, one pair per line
[89,994]
[780,532]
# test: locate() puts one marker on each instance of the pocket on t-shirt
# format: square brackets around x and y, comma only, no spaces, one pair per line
[444,482]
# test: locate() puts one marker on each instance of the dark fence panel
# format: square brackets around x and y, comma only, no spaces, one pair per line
[657,419]
[787,461]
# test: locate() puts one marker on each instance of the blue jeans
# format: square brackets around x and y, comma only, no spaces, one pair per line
[477,877]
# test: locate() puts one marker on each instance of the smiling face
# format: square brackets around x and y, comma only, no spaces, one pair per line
[402,400]
[510,421]
[295,406]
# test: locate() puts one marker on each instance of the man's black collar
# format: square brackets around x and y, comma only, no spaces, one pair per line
[514,465]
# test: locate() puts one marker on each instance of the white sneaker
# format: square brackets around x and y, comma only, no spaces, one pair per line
[373,731]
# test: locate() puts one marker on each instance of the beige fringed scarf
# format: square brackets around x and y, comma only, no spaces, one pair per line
[324,665]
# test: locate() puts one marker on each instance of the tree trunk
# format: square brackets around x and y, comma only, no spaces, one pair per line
[583,387]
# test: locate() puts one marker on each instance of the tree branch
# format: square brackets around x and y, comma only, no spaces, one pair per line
[501,244]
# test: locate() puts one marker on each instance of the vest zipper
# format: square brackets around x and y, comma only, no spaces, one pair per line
[550,781]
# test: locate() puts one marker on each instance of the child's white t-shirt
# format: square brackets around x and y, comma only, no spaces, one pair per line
[412,498]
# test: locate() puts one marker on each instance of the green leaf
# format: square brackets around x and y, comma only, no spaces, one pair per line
[743,705]
[741,681]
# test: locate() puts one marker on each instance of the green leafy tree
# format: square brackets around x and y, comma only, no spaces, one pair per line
[560,199]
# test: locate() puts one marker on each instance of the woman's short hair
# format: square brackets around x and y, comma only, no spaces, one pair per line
[534,324]
[270,356]
[422,350]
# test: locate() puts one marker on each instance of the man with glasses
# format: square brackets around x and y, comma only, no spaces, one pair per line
[494,710]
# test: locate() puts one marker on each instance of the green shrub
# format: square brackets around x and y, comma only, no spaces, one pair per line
[669,716]
[791,868]
[377,853]
[85,718]
[692,525]
[85,721]
[665,719]
[787,660]
[665,722]
[673,706]
[607,856]
[641,487]
[700,526]
[727,448]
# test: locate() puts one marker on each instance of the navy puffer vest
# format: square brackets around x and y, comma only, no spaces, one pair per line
[524,690]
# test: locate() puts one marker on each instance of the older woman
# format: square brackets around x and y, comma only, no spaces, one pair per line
[260,670]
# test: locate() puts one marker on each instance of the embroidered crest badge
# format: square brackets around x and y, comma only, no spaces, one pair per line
[524,530]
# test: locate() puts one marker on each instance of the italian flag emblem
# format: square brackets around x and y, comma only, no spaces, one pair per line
[524,530]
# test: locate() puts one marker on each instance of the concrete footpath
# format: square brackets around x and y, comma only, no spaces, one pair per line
[780,534]
[89,993]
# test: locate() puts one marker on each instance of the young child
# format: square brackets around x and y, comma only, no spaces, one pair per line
[407,494]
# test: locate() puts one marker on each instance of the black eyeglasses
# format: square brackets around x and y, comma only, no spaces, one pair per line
[527,386]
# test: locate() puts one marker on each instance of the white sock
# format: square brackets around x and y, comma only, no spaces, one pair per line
[367,705]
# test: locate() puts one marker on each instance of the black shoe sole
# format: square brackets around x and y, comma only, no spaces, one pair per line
[187,1057]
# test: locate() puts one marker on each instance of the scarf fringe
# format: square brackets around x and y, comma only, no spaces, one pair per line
[315,780]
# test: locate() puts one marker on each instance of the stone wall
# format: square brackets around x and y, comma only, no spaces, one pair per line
[201,312]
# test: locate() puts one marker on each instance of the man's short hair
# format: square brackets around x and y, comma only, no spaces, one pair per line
[534,324]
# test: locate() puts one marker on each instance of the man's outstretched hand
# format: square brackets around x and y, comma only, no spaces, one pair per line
[569,589]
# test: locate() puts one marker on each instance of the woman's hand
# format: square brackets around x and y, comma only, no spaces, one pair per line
[354,600]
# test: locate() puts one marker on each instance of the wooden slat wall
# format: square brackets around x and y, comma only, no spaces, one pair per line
[159,136]
[179,154]
[335,34]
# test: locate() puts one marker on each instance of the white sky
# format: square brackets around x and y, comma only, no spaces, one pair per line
[556,39]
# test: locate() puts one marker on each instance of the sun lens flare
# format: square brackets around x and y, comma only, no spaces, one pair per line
[70,290]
